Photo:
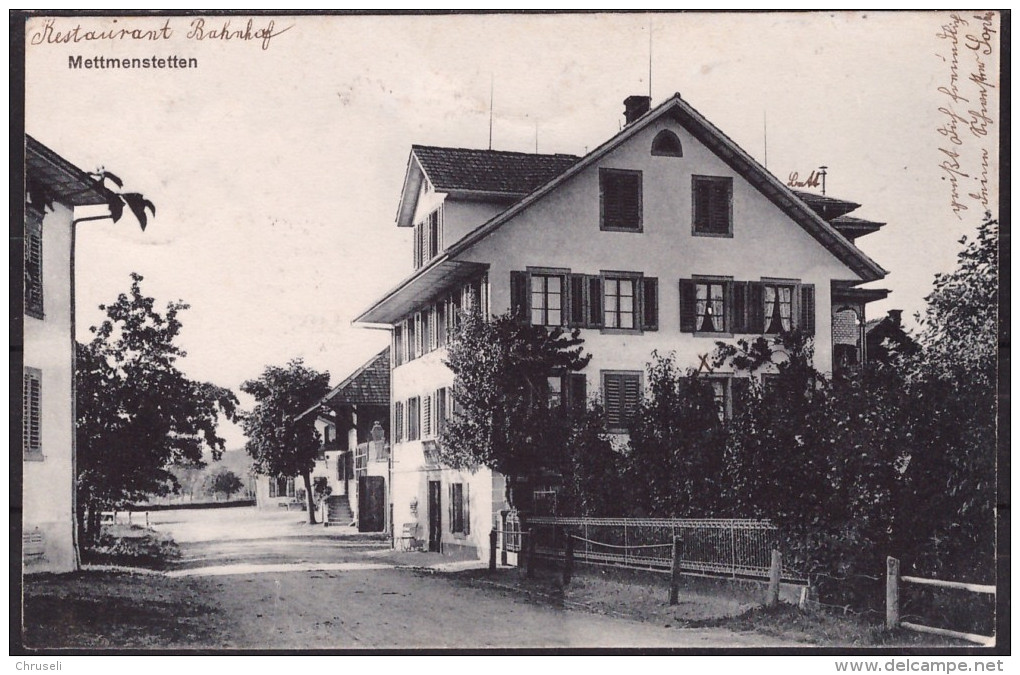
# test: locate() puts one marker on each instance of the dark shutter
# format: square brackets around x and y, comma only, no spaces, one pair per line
[519,296]
[466,508]
[612,399]
[650,303]
[575,391]
[272,487]
[33,256]
[577,304]
[440,410]
[621,199]
[594,302]
[719,217]
[755,307]
[631,397]
[451,508]
[738,317]
[807,308]
[688,305]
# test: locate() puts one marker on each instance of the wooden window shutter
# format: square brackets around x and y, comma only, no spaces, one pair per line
[738,316]
[631,397]
[688,305]
[449,507]
[650,303]
[577,305]
[612,398]
[32,412]
[33,256]
[466,507]
[807,308]
[755,307]
[519,296]
[719,214]
[575,391]
[594,302]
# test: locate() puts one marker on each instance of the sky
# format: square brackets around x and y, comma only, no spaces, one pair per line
[276,164]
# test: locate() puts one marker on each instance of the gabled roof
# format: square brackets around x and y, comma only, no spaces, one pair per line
[510,173]
[58,178]
[368,385]
[851,227]
[794,205]
[725,148]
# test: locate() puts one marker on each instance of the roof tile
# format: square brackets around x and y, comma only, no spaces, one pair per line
[513,173]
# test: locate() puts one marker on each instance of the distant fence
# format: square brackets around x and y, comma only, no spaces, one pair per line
[188,505]
[707,546]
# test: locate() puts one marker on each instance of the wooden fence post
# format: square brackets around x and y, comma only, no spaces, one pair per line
[892,592]
[492,550]
[772,599]
[531,554]
[674,577]
[568,564]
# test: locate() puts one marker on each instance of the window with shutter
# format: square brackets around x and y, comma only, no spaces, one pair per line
[33,254]
[426,417]
[620,200]
[777,308]
[713,198]
[398,421]
[650,303]
[546,299]
[595,302]
[413,419]
[807,309]
[31,420]
[578,295]
[705,305]
[441,324]
[620,303]
[621,395]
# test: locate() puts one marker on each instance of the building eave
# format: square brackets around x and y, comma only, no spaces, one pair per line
[417,290]
[63,180]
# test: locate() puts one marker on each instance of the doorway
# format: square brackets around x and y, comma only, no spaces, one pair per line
[435,516]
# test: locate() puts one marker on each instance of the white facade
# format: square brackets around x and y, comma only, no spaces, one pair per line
[559,229]
[48,413]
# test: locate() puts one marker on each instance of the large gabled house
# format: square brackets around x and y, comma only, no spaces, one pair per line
[53,189]
[667,237]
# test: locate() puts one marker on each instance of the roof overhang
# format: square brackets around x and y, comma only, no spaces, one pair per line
[63,181]
[417,290]
[845,291]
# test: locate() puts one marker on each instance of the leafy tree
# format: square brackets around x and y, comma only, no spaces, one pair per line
[279,444]
[821,458]
[674,463]
[223,481]
[946,519]
[591,470]
[137,413]
[502,416]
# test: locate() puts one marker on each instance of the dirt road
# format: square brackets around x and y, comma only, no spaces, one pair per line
[257,580]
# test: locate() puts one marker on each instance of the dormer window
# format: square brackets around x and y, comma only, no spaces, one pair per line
[667,144]
[428,237]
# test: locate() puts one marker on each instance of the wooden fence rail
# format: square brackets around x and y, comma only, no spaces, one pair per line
[893,580]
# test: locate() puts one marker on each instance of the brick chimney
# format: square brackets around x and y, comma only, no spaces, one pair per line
[635,107]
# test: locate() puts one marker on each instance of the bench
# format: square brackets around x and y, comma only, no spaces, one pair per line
[409,537]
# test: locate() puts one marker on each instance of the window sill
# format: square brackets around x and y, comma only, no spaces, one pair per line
[717,235]
[632,230]
[704,334]
[622,331]
[34,457]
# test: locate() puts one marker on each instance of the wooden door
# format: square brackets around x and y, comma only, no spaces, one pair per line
[371,504]
[435,516]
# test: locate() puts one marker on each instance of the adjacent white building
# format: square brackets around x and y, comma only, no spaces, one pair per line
[666,237]
[53,188]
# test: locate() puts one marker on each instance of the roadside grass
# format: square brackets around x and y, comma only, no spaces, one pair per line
[704,603]
[115,610]
[132,546]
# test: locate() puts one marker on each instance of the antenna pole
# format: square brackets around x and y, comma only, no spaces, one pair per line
[536,137]
[649,57]
[765,134]
[492,88]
